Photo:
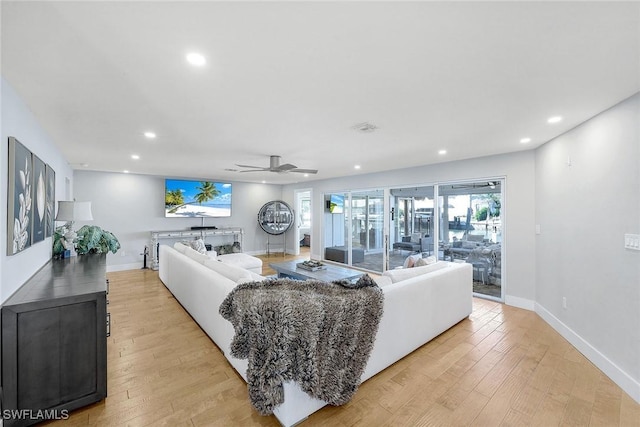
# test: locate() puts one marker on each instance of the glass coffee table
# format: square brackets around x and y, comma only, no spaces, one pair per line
[330,273]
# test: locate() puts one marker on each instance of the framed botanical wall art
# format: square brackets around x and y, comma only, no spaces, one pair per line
[19,197]
[50,183]
[38,201]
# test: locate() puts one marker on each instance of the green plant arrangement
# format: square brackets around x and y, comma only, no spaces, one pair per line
[59,241]
[93,239]
[89,239]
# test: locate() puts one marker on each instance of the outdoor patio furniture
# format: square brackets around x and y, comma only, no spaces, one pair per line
[339,254]
[415,243]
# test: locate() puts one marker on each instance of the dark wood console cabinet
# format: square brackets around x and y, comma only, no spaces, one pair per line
[54,340]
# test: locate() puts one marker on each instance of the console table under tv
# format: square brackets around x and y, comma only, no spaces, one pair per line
[203,233]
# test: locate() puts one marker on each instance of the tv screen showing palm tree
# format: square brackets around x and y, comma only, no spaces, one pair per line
[196,199]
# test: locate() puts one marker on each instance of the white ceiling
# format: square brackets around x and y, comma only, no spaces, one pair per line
[293,78]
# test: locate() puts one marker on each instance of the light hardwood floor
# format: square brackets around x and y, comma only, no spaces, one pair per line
[501,366]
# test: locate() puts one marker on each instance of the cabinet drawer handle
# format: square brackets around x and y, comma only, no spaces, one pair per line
[108,324]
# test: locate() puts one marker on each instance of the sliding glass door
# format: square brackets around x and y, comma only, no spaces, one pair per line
[354,229]
[470,230]
[367,221]
[411,224]
[459,222]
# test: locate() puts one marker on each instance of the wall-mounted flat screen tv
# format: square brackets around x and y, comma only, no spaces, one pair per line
[196,199]
[336,204]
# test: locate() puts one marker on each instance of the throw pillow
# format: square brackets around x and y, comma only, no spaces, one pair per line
[426,261]
[198,245]
[411,260]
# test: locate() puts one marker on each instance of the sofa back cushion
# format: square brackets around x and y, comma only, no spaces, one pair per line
[195,255]
[231,272]
[401,274]
[180,247]
[383,281]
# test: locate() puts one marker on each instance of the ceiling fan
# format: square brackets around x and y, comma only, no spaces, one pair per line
[275,166]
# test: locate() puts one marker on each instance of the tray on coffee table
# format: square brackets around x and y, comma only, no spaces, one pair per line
[328,274]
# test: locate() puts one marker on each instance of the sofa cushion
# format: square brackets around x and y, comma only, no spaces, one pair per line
[231,272]
[401,274]
[179,247]
[253,277]
[195,255]
[241,260]
[383,281]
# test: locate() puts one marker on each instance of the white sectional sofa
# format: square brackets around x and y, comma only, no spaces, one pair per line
[420,303]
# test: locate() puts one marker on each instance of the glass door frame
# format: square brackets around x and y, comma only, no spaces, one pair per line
[503,215]
[437,245]
[348,225]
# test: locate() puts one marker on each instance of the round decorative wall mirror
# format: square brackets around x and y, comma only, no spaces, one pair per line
[275,217]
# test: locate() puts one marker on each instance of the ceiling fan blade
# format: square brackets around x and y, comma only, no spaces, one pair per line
[249,166]
[255,170]
[304,170]
[285,167]
[275,166]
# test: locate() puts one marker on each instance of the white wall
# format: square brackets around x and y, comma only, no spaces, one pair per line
[130,206]
[519,207]
[18,121]
[584,210]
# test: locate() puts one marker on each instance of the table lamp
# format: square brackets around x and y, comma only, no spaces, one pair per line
[71,211]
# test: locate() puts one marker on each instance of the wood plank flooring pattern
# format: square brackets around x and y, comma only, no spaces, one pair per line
[500,367]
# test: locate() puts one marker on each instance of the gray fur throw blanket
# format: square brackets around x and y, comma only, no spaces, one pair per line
[315,333]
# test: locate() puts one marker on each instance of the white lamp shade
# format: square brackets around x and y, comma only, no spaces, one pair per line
[74,211]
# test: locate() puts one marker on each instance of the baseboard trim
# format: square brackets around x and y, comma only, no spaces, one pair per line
[617,375]
[523,303]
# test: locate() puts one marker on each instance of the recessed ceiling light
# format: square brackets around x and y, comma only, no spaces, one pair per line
[554,119]
[356,167]
[525,140]
[135,156]
[264,182]
[196,59]
[442,152]
[306,175]
[125,171]
[150,135]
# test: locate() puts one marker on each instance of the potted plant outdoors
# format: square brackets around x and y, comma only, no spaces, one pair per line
[94,240]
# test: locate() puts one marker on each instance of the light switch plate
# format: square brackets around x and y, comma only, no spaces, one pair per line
[632,241]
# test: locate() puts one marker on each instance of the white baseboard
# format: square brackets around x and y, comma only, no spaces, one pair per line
[523,303]
[122,267]
[617,375]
